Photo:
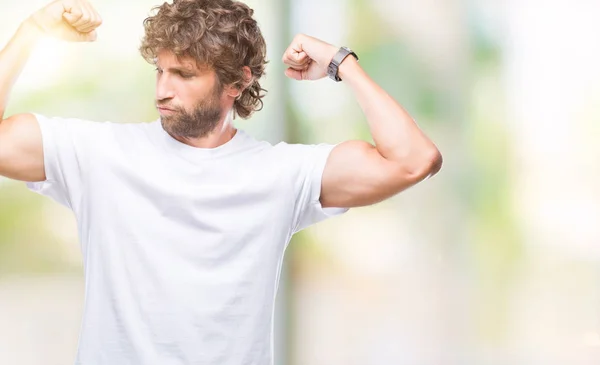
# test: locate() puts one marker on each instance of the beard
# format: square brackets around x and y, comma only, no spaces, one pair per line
[203,119]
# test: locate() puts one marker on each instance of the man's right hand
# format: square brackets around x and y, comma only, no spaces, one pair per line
[70,20]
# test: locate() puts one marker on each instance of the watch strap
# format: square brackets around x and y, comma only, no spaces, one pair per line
[336,61]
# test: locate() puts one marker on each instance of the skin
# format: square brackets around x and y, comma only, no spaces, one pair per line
[357,173]
[198,108]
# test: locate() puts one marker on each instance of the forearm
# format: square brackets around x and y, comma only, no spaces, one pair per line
[397,137]
[14,57]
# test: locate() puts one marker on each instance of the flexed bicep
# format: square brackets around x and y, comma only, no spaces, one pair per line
[21,148]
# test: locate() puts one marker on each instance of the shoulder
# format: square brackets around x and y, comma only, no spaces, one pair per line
[303,152]
[73,125]
[87,134]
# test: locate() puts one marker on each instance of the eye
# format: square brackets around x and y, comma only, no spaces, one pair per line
[185,76]
[158,70]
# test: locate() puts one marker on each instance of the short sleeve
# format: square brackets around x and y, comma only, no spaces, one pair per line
[308,164]
[67,145]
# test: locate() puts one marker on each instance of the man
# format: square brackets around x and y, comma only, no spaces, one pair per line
[184,221]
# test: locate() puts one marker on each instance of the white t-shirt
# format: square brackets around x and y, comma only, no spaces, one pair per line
[182,246]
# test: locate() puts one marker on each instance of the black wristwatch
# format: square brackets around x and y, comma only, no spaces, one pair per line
[337,60]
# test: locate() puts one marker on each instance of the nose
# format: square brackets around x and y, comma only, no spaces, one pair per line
[164,89]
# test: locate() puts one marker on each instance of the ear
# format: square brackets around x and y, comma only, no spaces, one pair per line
[235,92]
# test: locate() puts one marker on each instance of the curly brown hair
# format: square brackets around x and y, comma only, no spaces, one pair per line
[220,34]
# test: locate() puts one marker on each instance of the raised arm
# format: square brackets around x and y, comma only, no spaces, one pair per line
[21,149]
[358,173]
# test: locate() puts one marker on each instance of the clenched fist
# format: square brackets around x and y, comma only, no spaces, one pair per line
[307,58]
[70,20]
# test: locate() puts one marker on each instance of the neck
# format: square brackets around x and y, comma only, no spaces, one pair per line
[223,133]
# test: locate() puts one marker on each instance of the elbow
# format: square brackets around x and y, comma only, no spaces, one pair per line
[434,162]
[425,165]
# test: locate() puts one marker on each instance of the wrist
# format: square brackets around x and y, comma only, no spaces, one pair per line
[333,70]
[30,30]
[333,50]
[348,67]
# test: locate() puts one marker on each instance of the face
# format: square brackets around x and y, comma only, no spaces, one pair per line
[191,101]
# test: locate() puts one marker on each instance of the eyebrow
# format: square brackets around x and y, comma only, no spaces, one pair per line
[179,69]
[176,69]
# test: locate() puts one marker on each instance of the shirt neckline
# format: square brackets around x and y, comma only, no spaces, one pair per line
[195,154]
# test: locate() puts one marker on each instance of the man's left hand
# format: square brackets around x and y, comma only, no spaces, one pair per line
[307,58]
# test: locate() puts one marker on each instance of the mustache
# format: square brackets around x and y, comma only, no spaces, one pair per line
[167,106]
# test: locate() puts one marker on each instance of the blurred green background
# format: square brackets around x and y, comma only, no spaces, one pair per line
[493,261]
